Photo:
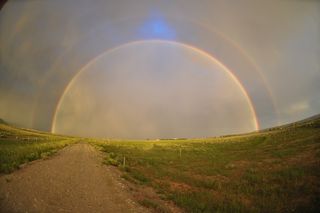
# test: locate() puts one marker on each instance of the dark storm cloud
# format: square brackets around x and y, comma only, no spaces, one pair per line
[44,43]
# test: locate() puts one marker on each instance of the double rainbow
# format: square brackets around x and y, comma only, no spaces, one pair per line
[190,47]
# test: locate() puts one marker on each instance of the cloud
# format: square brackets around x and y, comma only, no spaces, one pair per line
[297,108]
[45,43]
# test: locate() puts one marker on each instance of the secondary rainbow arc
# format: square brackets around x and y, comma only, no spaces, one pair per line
[199,51]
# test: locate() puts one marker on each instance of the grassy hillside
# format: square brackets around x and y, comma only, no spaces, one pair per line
[19,146]
[276,170]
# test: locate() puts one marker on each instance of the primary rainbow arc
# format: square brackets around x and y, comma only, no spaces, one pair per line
[201,52]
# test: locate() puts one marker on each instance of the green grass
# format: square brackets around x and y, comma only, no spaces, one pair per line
[270,171]
[19,146]
[276,170]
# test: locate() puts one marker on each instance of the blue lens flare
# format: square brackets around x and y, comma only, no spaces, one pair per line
[157,28]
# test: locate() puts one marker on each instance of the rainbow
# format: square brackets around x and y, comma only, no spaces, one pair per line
[249,58]
[195,49]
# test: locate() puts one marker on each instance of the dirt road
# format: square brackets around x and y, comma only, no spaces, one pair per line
[72,181]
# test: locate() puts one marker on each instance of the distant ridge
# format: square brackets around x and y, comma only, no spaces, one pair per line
[2,121]
[310,121]
[312,118]
[305,122]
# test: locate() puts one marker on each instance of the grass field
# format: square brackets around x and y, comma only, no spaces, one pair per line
[19,146]
[276,170]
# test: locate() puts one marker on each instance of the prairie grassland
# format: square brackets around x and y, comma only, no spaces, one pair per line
[276,170]
[19,146]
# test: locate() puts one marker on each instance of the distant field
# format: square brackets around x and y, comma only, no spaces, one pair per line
[19,146]
[276,170]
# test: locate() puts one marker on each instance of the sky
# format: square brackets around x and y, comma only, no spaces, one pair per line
[158,69]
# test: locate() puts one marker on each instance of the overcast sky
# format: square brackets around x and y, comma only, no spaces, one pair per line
[171,83]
